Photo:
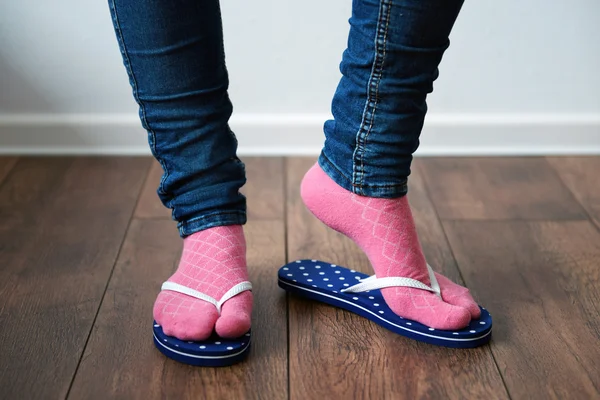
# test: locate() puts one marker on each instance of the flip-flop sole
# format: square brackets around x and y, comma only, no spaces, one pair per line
[321,281]
[213,352]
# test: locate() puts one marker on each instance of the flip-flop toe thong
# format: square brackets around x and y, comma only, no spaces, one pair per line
[356,292]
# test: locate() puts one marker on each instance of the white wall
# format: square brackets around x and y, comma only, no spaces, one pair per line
[520,77]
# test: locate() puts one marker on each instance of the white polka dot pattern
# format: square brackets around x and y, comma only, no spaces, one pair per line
[214,351]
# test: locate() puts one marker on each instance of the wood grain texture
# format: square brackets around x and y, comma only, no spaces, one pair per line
[541,282]
[264,188]
[6,165]
[63,221]
[121,362]
[582,176]
[335,354]
[431,235]
[498,189]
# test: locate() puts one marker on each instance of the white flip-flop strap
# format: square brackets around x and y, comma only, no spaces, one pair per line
[234,291]
[434,283]
[373,283]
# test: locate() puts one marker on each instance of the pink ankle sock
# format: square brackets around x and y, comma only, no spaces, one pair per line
[212,262]
[384,229]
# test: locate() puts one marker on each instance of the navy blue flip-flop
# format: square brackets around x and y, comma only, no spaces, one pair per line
[213,352]
[356,292]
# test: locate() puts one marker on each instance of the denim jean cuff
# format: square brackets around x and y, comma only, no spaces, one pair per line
[378,191]
[219,218]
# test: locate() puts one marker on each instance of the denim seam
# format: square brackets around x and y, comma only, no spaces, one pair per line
[136,96]
[206,216]
[368,116]
[332,165]
[183,225]
[378,186]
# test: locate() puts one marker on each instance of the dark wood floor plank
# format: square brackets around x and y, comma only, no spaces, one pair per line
[431,235]
[498,189]
[263,189]
[149,205]
[335,354]
[582,176]
[63,221]
[121,362]
[541,282]
[6,165]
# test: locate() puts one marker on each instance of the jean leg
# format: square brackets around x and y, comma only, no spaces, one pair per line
[394,49]
[173,53]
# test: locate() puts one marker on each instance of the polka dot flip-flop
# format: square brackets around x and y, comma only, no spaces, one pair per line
[356,292]
[213,352]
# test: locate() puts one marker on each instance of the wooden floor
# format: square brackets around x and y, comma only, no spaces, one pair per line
[85,245]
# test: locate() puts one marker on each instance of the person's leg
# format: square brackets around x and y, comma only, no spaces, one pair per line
[173,53]
[359,185]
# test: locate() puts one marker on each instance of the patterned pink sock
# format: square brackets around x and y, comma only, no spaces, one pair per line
[384,229]
[212,262]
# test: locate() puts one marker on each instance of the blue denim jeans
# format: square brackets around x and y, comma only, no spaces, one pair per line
[173,53]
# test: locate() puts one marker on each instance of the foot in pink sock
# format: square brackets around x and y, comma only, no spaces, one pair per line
[384,229]
[212,262]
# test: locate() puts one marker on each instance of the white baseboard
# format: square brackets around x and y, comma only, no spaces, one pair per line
[301,134]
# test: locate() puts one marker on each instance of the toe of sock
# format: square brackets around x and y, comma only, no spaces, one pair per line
[458,318]
[447,317]
[232,326]
[470,305]
[235,319]
[465,300]
[458,295]
[195,326]
[426,308]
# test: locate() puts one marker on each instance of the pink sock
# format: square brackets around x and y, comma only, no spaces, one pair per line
[212,262]
[384,229]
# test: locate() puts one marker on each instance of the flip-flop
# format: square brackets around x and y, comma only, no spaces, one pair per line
[213,352]
[356,292]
